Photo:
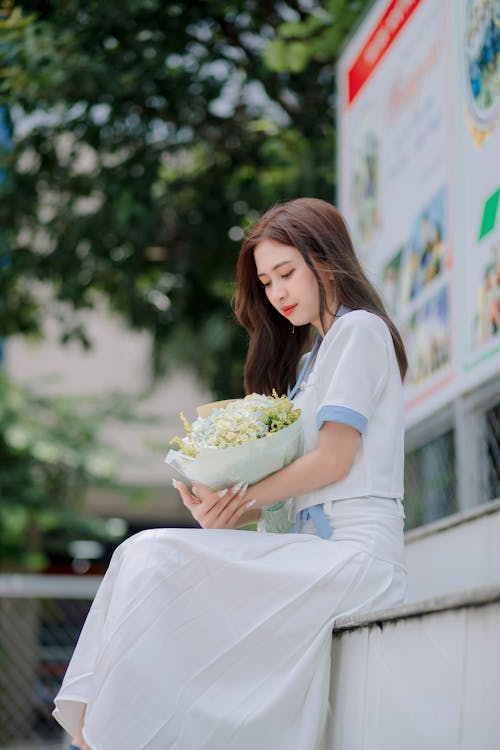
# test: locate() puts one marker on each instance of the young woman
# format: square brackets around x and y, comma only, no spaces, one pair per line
[220,638]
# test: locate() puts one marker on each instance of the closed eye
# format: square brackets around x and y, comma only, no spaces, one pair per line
[282,276]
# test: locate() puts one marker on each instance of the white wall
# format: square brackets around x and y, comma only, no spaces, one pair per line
[429,681]
[457,553]
[118,361]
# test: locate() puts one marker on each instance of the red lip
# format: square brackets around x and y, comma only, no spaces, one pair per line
[288,310]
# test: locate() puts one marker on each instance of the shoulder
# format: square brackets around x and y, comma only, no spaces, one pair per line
[359,324]
[358,339]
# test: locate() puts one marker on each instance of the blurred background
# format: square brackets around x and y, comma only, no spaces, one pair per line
[138,142]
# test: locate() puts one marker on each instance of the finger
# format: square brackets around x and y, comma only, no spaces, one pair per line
[217,516]
[234,500]
[234,494]
[187,498]
[206,495]
[216,500]
[233,520]
[220,509]
[235,509]
[203,489]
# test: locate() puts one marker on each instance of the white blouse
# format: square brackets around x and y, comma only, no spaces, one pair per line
[355,380]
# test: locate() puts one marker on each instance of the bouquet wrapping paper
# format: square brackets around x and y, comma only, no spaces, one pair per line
[222,467]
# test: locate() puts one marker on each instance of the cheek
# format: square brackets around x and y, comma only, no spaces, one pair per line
[268,294]
[309,284]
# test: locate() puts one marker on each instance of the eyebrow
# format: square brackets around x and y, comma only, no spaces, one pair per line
[282,263]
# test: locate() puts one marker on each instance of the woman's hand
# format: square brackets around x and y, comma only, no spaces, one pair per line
[223,509]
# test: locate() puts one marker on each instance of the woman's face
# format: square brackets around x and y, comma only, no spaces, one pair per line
[289,284]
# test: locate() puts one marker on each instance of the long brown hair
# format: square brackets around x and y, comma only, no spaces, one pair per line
[319,232]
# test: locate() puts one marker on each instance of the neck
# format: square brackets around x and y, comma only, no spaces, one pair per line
[331,315]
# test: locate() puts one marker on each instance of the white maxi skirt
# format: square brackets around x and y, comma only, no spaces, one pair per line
[206,639]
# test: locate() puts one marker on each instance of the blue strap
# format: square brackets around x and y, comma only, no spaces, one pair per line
[74,747]
[316,514]
[305,369]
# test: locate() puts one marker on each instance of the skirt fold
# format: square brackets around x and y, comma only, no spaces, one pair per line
[211,639]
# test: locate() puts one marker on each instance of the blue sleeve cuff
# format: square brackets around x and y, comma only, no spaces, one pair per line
[343,415]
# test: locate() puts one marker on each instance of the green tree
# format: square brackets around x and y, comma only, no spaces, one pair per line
[147,135]
[50,454]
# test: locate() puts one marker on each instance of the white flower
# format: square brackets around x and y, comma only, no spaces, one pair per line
[240,422]
[243,441]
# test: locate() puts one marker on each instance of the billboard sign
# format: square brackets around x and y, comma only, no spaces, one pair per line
[419,183]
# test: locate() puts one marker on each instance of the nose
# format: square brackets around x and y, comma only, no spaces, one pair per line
[278,291]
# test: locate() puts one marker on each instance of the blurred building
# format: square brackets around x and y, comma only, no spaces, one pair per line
[119,361]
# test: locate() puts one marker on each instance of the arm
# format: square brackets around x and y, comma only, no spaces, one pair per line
[328,463]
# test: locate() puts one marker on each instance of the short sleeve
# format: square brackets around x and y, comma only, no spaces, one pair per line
[352,369]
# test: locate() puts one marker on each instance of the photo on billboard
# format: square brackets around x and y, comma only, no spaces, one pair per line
[481,52]
[427,336]
[365,179]
[424,256]
[486,319]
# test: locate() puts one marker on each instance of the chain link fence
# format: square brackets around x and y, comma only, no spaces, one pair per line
[40,621]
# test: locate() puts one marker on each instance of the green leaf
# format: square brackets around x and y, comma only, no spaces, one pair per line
[276,55]
[298,56]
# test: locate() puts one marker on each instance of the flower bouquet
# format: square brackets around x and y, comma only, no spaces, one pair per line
[241,440]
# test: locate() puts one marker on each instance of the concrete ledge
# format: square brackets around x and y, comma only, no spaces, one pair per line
[455,519]
[423,675]
[479,597]
[455,554]
[19,585]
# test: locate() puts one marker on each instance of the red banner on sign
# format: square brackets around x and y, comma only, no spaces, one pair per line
[383,35]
